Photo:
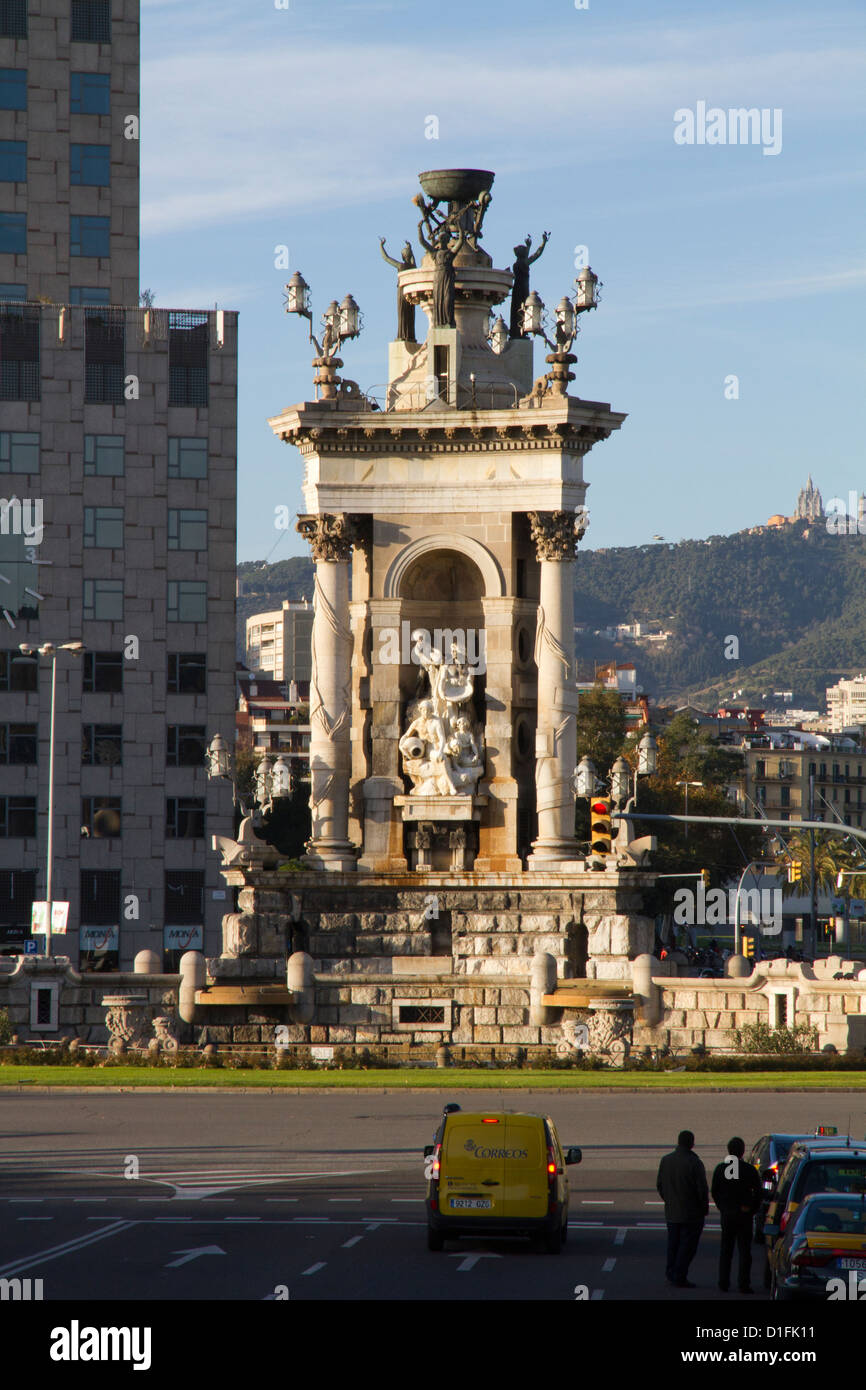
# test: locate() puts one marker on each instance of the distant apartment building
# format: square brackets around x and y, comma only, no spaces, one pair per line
[273,720]
[120,421]
[777,770]
[846,704]
[279,643]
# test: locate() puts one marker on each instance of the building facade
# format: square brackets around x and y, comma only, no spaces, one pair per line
[278,643]
[118,465]
[846,704]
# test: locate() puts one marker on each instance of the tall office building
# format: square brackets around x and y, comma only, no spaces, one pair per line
[117,519]
[278,643]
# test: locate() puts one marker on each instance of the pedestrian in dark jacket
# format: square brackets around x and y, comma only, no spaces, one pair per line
[682,1184]
[736,1190]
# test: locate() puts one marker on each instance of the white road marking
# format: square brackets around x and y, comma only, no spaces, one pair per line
[242,1219]
[411,1200]
[19,1201]
[187,1255]
[282,1199]
[470,1261]
[596,1295]
[314,1269]
[56,1252]
[305,1219]
[653,1204]
[608,1266]
[344,1199]
[353,1240]
[79,1200]
[619,1238]
[596,1202]
[39,1218]
[172,1219]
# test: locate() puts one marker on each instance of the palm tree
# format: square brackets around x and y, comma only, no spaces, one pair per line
[833,854]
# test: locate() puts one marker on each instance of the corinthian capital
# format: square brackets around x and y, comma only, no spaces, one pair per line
[331,537]
[556,533]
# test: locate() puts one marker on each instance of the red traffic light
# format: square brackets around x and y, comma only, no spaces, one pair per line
[600,808]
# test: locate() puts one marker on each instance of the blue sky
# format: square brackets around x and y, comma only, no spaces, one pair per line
[306,127]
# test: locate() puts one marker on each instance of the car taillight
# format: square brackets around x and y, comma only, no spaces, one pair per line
[551,1163]
[436,1163]
[817,1257]
[784,1221]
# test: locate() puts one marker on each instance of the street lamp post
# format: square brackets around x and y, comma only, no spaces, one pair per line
[686,786]
[566,326]
[29,652]
[752,864]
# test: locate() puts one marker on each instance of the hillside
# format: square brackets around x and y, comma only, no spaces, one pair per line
[795,599]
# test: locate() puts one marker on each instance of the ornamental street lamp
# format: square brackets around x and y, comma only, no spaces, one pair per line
[566,326]
[340,322]
[685,785]
[498,335]
[273,780]
[29,652]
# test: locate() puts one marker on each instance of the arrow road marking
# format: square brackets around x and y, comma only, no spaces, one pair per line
[187,1255]
[471,1260]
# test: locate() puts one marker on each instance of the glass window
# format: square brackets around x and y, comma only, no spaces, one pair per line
[101,817]
[187,673]
[103,455]
[91,21]
[17,817]
[19,352]
[13,19]
[184,817]
[102,745]
[103,599]
[19,452]
[13,232]
[184,896]
[80,294]
[103,527]
[13,161]
[88,236]
[185,745]
[187,601]
[187,458]
[17,674]
[104,355]
[103,671]
[100,897]
[13,294]
[187,529]
[187,358]
[17,892]
[90,94]
[90,164]
[19,743]
[13,89]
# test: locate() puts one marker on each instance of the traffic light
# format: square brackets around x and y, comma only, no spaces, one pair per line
[748,946]
[705,877]
[600,831]
[795,871]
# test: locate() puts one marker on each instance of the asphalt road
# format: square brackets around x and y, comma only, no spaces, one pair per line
[220,1195]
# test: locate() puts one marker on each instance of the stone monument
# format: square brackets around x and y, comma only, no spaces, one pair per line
[443,894]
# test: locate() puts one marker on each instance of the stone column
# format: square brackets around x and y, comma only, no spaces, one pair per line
[554,534]
[497,849]
[383,826]
[331,539]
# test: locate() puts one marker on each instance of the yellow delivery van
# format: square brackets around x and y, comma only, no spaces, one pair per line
[494,1173]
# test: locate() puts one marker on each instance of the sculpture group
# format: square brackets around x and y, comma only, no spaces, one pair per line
[443,748]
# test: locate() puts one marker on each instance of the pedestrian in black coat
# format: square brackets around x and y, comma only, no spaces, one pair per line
[682,1184]
[736,1190]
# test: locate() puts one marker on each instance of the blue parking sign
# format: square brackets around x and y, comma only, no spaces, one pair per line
[31,948]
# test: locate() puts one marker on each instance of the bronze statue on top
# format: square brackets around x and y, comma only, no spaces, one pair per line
[405,310]
[446,240]
[520,288]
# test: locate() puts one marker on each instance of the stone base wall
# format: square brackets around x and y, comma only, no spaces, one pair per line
[80,1012]
[704,1012]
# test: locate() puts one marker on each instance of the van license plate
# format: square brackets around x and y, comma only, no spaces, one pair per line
[476,1203]
[852,1264]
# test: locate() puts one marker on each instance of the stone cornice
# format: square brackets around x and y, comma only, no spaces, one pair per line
[399,438]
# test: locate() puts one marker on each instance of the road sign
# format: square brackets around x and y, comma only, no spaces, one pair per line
[31,948]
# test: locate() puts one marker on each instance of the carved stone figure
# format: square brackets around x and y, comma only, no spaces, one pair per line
[405,310]
[443,750]
[520,288]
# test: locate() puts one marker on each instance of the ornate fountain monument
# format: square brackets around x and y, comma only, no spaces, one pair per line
[444,897]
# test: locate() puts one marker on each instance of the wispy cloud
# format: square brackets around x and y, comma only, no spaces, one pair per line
[296,126]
